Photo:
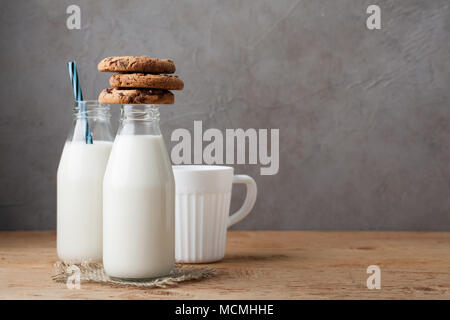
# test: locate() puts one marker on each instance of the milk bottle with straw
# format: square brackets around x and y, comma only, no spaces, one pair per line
[80,179]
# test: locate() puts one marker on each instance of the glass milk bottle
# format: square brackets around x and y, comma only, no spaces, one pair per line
[80,183]
[138,199]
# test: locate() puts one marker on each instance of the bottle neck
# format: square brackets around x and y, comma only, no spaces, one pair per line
[139,119]
[90,110]
[91,122]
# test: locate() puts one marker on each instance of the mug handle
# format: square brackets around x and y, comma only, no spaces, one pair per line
[249,201]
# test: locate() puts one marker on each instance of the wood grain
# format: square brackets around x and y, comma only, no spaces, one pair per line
[260,265]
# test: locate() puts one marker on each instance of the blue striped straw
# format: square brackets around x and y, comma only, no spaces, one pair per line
[73,73]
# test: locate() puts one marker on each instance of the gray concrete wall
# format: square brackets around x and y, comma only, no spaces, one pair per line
[364,116]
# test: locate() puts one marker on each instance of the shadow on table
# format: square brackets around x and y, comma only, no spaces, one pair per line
[251,257]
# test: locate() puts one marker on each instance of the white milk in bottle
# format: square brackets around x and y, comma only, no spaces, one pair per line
[80,185]
[138,199]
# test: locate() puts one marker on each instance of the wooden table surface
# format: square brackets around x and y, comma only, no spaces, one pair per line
[259,265]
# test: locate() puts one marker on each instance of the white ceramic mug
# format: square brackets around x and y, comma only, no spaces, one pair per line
[202,205]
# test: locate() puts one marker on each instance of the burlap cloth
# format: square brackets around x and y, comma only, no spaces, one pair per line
[94,272]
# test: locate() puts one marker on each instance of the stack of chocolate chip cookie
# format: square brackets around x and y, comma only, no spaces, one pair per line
[139,80]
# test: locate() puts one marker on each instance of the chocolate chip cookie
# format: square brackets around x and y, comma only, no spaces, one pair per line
[136,64]
[141,80]
[135,96]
